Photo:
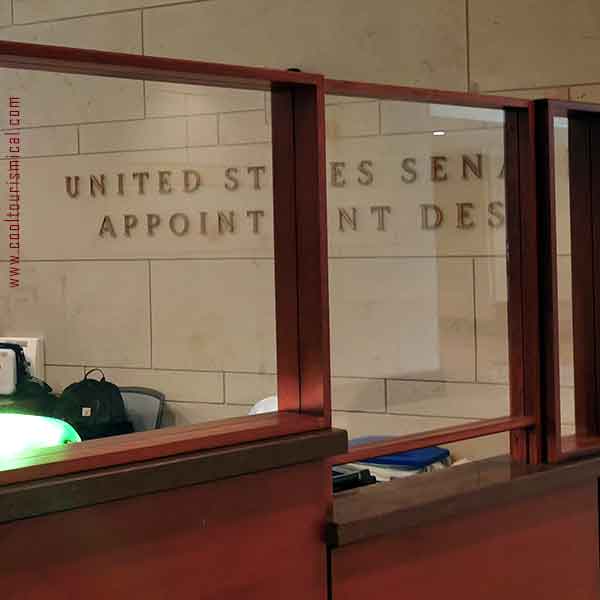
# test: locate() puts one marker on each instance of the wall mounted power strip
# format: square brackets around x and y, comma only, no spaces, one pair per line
[8,372]
[34,353]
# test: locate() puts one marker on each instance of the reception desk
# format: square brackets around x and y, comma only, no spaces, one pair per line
[257,520]
[240,521]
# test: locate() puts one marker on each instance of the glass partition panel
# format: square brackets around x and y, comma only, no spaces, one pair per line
[570,225]
[564,276]
[483,447]
[139,239]
[418,273]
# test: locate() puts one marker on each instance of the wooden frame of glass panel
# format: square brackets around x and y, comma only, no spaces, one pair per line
[584,196]
[300,243]
[524,422]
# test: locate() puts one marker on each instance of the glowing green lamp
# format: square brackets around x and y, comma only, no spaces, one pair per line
[23,433]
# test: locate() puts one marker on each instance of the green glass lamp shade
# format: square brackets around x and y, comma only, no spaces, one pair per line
[23,433]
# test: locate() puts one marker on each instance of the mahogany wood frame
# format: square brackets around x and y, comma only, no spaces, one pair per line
[300,246]
[524,422]
[584,165]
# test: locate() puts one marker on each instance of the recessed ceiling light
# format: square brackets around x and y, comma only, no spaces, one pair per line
[439,133]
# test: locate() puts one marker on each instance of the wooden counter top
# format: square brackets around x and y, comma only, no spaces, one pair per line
[387,507]
[94,485]
[148,445]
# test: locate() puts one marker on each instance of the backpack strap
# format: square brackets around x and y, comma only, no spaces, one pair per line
[92,371]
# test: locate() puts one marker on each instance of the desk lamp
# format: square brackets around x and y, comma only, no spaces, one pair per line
[24,433]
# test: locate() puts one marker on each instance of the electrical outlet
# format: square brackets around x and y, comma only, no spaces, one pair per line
[8,372]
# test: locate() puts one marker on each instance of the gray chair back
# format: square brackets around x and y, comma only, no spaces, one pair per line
[144,407]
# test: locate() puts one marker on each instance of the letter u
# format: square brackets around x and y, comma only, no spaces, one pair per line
[69,184]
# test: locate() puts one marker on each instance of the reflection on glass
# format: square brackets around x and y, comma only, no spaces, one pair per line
[417,265]
[565,305]
[146,237]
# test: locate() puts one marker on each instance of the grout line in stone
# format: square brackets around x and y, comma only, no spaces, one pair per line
[535,87]
[467,46]
[146,118]
[251,258]
[475,322]
[419,415]
[385,395]
[158,5]
[142,32]
[150,312]
[134,259]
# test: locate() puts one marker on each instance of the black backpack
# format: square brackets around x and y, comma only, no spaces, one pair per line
[94,407]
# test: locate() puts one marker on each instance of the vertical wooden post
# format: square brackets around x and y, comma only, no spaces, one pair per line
[595,200]
[523,316]
[512,167]
[286,268]
[301,253]
[530,297]
[313,272]
[547,281]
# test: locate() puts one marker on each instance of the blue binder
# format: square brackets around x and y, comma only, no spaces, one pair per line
[413,460]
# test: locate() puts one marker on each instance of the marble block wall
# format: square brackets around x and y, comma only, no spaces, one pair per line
[418,317]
